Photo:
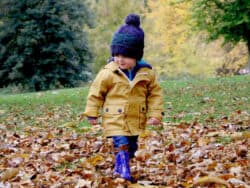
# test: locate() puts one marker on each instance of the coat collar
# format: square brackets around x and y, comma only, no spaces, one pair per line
[142,74]
[114,68]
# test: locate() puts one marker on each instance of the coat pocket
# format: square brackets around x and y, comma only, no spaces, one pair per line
[113,117]
[113,110]
[143,116]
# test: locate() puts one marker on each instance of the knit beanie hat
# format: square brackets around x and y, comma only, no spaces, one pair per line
[128,40]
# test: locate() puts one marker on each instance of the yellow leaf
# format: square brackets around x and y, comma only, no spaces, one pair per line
[135,186]
[211,179]
[94,160]
[22,155]
[49,135]
[187,185]
[9,174]
[246,134]
[240,136]
[145,134]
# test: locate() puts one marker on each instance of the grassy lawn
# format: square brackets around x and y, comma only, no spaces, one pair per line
[206,99]
[185,101]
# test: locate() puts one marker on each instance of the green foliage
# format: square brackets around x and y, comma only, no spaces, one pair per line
[42,43]
[176,50]
[172,46]
[224,140]
[229,18]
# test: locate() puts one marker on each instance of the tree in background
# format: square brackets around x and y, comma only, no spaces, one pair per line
[177,50]
[229,19]
[167,35]
[42,43]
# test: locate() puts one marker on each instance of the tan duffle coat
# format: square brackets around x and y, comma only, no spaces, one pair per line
[125,105]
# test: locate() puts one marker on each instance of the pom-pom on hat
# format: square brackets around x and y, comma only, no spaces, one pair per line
[128,40]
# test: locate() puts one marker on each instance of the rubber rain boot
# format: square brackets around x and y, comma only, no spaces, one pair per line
[117,168]
[122,167]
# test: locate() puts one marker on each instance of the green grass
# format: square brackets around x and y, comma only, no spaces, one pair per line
[31,102]
[55,97]
[184,100]
[203,99]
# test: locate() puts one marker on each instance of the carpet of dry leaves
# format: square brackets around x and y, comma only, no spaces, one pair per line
[210,154]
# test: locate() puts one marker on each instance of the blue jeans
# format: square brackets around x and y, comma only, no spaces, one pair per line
[129,141]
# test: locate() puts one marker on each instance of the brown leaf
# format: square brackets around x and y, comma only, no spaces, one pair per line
[241,151]
[142,155]
[171,147]
[212,166]
[226,176]
[69,157]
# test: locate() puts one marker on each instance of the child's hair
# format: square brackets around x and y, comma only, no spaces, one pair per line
[128,40]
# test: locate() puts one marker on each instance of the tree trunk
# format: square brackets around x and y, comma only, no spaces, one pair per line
[248,46]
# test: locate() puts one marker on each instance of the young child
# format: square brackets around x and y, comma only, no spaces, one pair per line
[127,91]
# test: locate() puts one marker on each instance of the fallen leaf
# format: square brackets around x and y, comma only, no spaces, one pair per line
[241,151]
[208,179]
[15,162]
[94,160]
[83,183]
[235,181]
[142,155]
[236,170]
[9,174]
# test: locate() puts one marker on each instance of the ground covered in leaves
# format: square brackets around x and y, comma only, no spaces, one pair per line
[214,153]
[204,140]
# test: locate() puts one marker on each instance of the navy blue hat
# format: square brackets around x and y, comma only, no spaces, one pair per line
[128,40]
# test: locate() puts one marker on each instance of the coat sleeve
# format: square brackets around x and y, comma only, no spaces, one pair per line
[97,93]
[155,99]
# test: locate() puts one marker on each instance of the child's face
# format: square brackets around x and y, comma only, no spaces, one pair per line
[125,62]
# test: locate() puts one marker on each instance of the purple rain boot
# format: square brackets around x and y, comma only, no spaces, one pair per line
[117,165]
[122,167]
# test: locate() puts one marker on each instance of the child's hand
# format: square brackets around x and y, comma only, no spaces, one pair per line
[92,120]
[154,121]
